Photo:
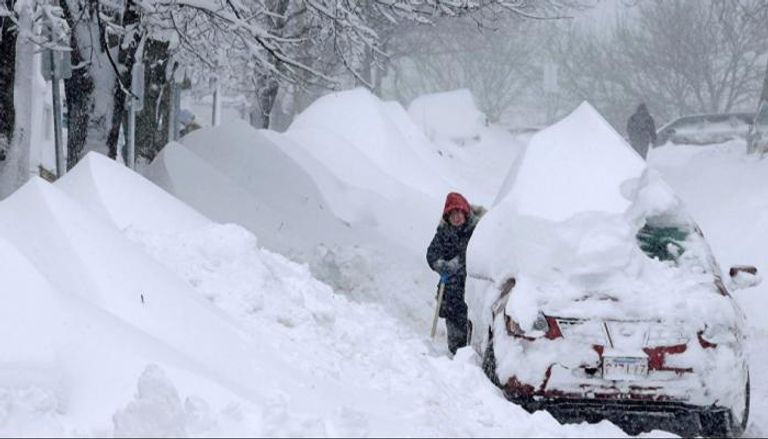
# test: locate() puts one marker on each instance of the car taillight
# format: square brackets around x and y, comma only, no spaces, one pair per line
[712,336]
[704,343]
[541,328]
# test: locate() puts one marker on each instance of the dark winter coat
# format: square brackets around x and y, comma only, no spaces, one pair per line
[451,242]
[641,130]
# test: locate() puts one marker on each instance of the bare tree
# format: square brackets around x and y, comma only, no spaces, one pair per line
[495,64]
[20,40]
[679,56]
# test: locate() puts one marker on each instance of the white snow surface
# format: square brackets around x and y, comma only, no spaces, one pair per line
[232,339]
[448,116]
[377,130]
[201,332]
[575,166]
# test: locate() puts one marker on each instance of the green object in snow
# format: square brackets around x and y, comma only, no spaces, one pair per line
[663,243]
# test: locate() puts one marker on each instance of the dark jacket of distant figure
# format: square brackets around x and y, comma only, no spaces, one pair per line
[641,130]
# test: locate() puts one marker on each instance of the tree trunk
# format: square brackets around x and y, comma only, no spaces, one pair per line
[267,92]
[126,58]
[89,92]
[14,169]
[764,94]
[7,75]
[152,123]
[267,97]
[366,69]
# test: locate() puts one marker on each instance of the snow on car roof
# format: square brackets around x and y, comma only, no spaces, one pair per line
[580,161]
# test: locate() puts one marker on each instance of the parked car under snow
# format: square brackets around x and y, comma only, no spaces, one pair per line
[598,296]
[705,129]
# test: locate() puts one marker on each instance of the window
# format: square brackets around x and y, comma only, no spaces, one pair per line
[663,243]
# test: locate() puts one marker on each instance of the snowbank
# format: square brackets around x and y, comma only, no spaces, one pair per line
[448,116]
[356,122]
[125,198]
[89,311]
[248,180]
[477,157]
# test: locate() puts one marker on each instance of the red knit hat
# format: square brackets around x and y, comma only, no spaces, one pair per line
[455,201]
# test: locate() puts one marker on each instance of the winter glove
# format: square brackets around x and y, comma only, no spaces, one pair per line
[447,268]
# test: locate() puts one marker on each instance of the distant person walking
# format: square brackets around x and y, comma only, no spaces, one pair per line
[641,130]
[447,255]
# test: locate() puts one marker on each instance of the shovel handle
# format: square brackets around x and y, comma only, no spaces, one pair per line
[440,290]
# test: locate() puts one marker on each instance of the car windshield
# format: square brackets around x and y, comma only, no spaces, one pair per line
[663,243]
[722,122]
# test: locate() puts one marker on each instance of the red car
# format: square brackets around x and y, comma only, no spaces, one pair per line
[667,373]
[597,297]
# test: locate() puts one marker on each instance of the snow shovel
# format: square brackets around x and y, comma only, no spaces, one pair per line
[440,290]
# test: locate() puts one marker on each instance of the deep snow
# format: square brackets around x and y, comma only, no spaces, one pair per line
[231,338]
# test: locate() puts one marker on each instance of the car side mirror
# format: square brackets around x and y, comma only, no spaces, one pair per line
[744,276]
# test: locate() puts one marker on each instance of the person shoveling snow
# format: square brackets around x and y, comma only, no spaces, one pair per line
[447,256]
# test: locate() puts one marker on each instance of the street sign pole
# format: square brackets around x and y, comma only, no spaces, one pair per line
[130,136]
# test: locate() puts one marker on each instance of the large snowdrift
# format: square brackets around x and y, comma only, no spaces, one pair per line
[358,120]
[476,155]
[96,311]
[235,174]
[126,199]
[565,225]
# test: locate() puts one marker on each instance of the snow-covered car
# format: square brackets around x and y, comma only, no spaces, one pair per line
[705,129]
[598,296]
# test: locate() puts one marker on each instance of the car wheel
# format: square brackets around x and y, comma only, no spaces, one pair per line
[723,424]
[489,361]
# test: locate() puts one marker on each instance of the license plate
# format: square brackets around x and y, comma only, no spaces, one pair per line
[624,368]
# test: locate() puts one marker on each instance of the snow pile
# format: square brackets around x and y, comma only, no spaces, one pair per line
[120,196]
[365,373]
[356,123]
[566,226]
[82,320]
[156,410]
[448,116]
[105,310]
[476,155]
[546,171]
[235,174]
